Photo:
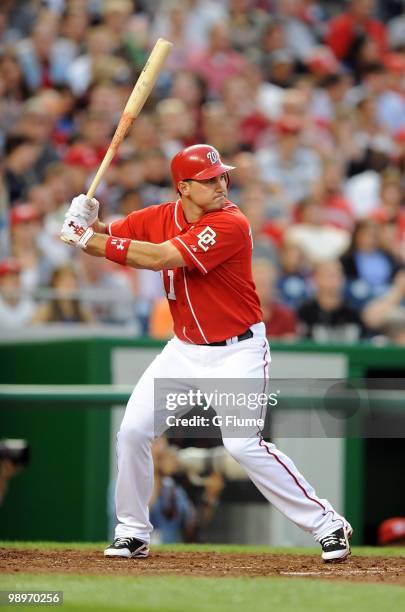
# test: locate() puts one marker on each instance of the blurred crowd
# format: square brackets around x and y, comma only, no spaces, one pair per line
[305,98]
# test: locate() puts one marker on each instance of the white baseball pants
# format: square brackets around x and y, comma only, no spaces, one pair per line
[274,474]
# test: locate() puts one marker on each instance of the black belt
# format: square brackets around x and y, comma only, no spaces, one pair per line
[245,336]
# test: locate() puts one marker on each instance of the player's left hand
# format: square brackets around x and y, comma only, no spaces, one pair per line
[76,232]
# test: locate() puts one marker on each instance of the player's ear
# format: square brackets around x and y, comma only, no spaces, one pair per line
[184,188]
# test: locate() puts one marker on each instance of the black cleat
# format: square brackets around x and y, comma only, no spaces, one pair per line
[336,546]
[127,547]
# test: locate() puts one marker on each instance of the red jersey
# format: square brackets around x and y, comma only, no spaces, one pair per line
[213,297]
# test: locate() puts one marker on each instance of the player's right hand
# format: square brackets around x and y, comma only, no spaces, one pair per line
[75,232]
[84,208]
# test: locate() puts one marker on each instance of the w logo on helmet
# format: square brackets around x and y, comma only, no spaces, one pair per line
[213,156]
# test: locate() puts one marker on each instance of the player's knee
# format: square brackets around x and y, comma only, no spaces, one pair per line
[133,435]
[235,447]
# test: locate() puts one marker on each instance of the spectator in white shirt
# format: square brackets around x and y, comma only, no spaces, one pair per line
[16,310]
[289,168]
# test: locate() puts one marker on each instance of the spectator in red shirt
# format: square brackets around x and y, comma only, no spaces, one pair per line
[354,25]
[280,320]
[241,106]
[336,209]
[219,61]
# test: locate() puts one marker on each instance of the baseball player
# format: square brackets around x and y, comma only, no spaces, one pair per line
[202,245]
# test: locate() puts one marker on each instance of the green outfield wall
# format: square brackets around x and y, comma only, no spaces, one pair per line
[62,494]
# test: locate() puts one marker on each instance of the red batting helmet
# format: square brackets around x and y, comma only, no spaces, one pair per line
[199,162]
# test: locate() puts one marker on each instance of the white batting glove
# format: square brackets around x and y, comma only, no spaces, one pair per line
[85,208]
[75,232]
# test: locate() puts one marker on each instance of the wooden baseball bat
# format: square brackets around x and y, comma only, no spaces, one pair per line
[133,107]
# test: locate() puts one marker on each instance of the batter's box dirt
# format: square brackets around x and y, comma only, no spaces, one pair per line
[357,569]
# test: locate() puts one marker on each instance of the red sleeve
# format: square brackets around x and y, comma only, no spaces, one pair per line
[210,243]
[135,226]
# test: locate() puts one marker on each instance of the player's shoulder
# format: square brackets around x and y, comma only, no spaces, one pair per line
[230,213]
[233,214]
[168,206]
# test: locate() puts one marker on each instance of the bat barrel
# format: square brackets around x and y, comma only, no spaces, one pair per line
[133,107]
[148,77]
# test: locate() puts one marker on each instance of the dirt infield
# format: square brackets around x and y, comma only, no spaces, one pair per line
[390,570]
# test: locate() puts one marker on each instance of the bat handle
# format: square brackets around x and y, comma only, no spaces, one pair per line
[123,126]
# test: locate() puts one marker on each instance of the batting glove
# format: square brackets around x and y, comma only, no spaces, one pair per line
[75,232]
[85,208]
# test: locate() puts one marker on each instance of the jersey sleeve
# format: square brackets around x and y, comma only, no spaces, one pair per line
[136,225]
[207,245]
